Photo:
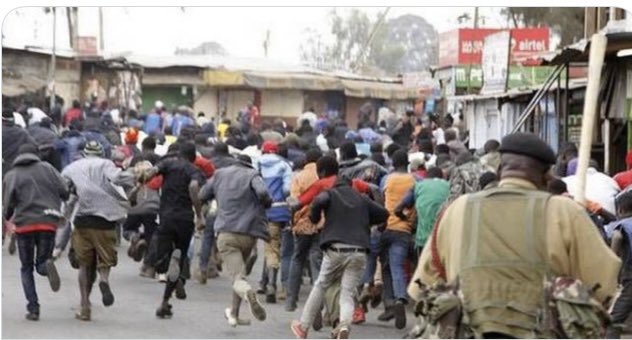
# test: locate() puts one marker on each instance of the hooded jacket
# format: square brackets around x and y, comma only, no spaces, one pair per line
[13,137]
[277,175]
[241,200]
[33,192]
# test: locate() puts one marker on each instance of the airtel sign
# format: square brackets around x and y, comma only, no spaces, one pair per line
[524,42]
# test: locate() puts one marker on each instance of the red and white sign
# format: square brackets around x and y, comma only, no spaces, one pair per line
[86,46]
[469,44]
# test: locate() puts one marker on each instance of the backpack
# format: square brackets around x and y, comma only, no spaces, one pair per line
[567,308]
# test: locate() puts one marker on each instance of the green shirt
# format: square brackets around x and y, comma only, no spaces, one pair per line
[430,194]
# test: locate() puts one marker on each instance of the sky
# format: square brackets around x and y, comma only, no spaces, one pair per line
[241,30]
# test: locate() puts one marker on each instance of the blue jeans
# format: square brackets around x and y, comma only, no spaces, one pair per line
[208,240]
[305,248]
[374,252]
[287,249]
[395,246]
[34,250]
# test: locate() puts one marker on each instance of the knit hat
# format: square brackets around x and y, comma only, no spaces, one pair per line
[93,148]
[269,147]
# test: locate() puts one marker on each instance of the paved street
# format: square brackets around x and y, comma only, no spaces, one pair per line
[132,315]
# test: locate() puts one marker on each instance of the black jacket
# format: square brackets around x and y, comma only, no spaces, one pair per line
[348,215]
[33,192]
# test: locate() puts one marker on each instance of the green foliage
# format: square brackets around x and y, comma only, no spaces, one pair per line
[404,44]
[566,22]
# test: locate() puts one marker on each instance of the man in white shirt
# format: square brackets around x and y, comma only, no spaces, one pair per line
[600,187]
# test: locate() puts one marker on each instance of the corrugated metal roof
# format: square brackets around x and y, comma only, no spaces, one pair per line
[572,84]
[63,53]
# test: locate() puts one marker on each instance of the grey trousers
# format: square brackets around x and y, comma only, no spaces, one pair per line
[346,267]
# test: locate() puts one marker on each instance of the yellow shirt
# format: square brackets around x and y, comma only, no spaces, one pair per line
[221,130]
[574,245]
[396,187]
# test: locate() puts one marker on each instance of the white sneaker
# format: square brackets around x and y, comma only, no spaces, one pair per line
[233,321]
[56,253]
[162,278]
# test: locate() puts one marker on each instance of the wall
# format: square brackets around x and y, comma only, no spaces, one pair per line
[67,71]
[281,103]
[232,101]
[120,87]
[483,120]
[206,101]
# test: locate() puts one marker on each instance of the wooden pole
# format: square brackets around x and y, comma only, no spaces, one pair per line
[597,54]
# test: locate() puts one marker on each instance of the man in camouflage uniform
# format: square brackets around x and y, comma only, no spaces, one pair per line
[464,177]
[500,244]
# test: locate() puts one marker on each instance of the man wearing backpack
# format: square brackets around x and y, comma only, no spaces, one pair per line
[502,243]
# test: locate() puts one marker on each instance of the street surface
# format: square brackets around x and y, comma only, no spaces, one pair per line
[201,315]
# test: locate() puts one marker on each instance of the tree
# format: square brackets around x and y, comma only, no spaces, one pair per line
[205,48]
[566,22]
[404,44]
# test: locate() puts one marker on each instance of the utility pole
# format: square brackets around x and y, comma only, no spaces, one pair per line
[469,66]
[476,17]
[101,40]
[53,62]
[266,43]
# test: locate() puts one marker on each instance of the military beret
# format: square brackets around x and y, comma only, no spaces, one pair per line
[527,144]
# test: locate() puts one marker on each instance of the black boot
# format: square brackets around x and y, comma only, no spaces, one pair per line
[272,280]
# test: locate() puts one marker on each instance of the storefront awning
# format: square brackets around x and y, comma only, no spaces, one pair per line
[369,89]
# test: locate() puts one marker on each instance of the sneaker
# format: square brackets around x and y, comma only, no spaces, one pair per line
[141,249]
[290,307]
[282,294]
[174,266]
[233,321]
[256,309]
[298,330]
[57,252]
[201,276]
[271,295]
[164,311]
[147,271]
[106,292]
[343,333]
[318,322]
[400,315]
[261,290]
[53,275]
[358,316]
[387,315]
[376,295]
[181,294]
[162,278]
[32,316]
[133,242]
[83,314]
[212,273]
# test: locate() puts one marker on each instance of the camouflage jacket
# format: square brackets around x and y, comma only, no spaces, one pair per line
[464,179]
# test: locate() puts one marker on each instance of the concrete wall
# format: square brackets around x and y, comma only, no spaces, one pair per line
[281,103]
[207,101]
[67,71]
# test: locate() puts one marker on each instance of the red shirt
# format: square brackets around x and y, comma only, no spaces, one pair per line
[624,179]
[71,115]
[327,183]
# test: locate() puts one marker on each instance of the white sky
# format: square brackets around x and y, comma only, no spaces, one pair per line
[241,30]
